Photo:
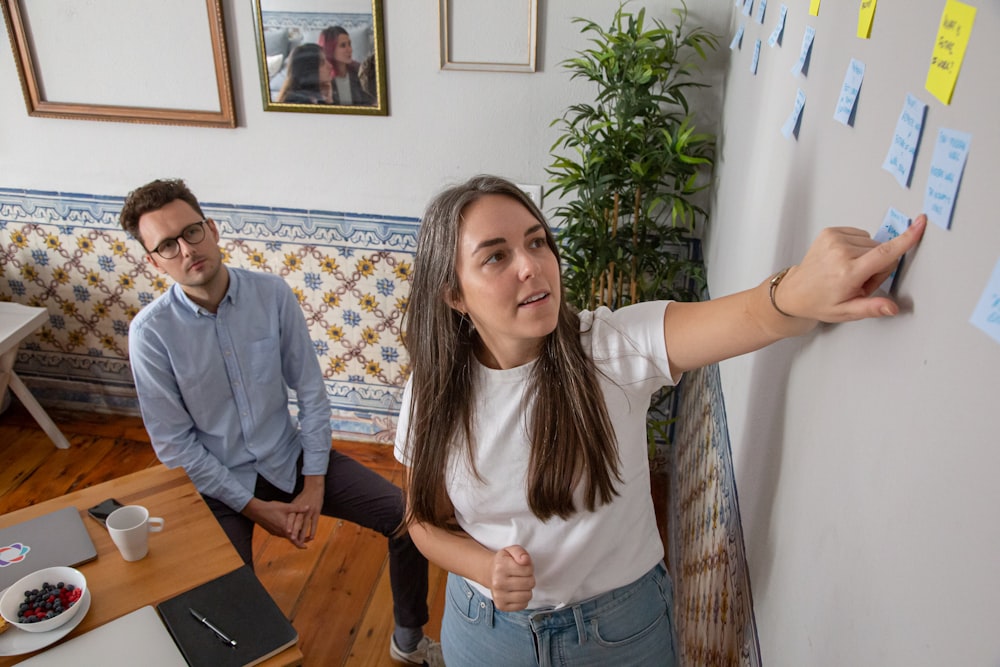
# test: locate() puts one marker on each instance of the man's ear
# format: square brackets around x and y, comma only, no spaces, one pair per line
[152,260]
[213,228]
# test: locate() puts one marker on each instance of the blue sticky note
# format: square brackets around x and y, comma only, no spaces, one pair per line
[775,37]
[761,6]
[737,38]
[894,224]
[906,140]
[986,316]
[950,151]
[807,41]
[791,125]
[756,57]
[747,7]
[849,92]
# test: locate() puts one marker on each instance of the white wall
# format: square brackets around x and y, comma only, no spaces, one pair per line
[444,126]
[865,454]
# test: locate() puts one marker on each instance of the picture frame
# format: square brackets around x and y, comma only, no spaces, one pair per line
[322,56]
[488,35]
[53,46]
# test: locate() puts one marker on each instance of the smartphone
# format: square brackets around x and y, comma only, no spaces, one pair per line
[101,511]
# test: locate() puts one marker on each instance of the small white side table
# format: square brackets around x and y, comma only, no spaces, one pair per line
[17,322]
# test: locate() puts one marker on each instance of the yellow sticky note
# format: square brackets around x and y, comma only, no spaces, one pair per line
[865,16]
[814,7]
[949,49]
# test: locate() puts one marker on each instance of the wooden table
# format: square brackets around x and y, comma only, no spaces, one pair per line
[191,550]
[17,322]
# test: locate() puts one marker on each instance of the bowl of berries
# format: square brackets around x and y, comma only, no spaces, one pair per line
[44,600]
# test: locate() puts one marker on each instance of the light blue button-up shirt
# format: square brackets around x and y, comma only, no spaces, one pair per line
[213,387]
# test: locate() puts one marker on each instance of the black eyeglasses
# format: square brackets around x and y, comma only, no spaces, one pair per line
[193,234]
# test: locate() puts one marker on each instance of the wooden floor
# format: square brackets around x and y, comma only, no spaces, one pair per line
[336,592]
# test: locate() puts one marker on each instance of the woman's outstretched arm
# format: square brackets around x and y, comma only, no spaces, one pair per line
[833,283]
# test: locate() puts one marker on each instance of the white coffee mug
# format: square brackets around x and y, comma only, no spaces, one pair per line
[130,527]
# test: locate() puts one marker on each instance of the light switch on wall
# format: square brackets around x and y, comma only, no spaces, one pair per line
[533,191]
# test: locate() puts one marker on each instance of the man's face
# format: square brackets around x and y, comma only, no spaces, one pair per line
[197,264]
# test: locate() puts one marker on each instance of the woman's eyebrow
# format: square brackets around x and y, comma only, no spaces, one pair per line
[489,243]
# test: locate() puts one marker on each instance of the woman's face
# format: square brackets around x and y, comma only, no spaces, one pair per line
[508,280]
[340,52]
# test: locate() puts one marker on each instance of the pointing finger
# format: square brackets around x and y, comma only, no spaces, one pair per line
[884,257]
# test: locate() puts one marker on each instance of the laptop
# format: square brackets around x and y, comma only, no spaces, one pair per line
[57,538]
[139,637]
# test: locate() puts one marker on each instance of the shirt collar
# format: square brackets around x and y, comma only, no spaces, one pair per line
[231,294]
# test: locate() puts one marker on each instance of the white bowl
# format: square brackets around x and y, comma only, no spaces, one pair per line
[14,596]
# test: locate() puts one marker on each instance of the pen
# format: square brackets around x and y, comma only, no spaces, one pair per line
[219,633]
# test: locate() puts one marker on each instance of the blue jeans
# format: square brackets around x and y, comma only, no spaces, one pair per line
[631,625]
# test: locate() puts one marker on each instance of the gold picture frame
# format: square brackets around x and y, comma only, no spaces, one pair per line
[301,56]
[80,65]
[488,35]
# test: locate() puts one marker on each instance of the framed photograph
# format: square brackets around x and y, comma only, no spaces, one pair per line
[488,35]
[74,61]
[322,56]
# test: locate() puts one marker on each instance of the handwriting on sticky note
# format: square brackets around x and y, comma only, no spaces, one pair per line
[866,14]
[894,224]
[903,149]
[950,151]
[788,129]
[949,49]
[849,91]
[814,7]
[807,40]
[986,316]
[775,37]
[737,38]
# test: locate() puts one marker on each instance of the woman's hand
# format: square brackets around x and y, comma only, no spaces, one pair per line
[840,271]
[512,578]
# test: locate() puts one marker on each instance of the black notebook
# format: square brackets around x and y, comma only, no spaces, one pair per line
[239,608]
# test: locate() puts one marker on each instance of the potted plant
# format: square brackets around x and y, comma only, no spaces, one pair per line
[629,168]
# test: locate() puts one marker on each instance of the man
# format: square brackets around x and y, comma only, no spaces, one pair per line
[213,359]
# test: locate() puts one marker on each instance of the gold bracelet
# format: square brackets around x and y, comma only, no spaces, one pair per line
[775,281]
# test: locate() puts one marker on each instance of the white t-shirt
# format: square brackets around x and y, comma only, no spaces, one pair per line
[591,552]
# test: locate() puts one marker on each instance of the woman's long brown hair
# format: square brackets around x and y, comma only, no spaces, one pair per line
[572,440]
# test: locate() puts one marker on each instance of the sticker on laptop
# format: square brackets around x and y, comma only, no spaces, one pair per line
[13,553]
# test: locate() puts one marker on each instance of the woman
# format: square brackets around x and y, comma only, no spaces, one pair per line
[523,425]
[309,77]
[347,90]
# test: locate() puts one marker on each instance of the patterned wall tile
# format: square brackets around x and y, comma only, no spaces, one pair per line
[713,605]
[351,274]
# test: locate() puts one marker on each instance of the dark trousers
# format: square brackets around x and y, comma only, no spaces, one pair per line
[354,493]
